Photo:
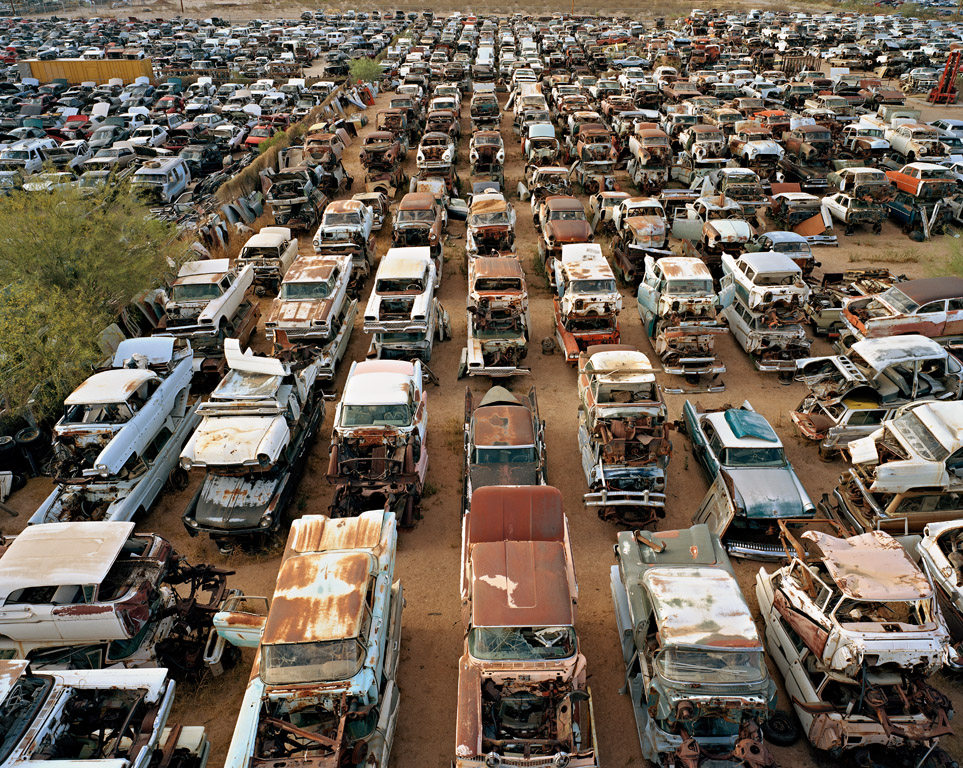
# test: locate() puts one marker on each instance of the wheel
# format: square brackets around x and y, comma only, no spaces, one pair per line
[825,454]
[781,729]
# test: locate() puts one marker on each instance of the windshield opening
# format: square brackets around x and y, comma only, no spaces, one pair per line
[593,286]
[689,287]
[195,292]
[712,666]
[754,457]
[288,663]
[502,455]
[920,439]
[521,643]
[295,291]
[376,415]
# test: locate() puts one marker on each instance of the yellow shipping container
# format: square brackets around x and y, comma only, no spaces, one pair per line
[76,71]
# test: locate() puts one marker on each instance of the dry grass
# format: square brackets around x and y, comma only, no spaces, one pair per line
[454,434]
[886,256]
[237,239]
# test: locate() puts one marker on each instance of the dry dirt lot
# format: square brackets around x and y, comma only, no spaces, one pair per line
[428,555]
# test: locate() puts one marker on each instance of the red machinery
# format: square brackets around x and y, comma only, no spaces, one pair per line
[945,92]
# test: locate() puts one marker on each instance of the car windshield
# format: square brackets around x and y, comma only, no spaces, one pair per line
[899,301]
[312,290]
[502,455]
[754,457]
[778,278]
[521,643]
[18,710]
[566,216]
[404,217]
[593,286]
[397,415]
[498,218]
[195,292]
[689,287]
[498,284]
[712,666]
[342,219]
[287,663]
[911,428]
[791,247]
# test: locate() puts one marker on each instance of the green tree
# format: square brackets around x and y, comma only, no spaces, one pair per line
[103,249]
[69,263]
[364,69]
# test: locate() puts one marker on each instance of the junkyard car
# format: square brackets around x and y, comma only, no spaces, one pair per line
[850,395]
[562,222]
[402,312]
[420,221]
[117,443]
[378,452]
[695,667]
[93,717]
[253,442]
[270,252]
[208,304]
[641,230]
[491,226]
[522,691]
[853,627]
[906,473]
[679,311]
[313,315]
[504,441]
[498,318]
[931,306]
[940,552]
[323,688]
[346,230]
[587,300]
[622,435]
[753,484]
[120,599]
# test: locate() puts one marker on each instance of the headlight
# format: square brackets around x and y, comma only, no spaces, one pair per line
[267,520]
[501,156]
[185,463]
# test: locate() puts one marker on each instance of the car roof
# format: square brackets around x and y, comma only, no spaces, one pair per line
[880,353]
[770,261]
[930,289]
[501,419]
[318,597]
[699,606]
[112,386]
[739,427]
[62,554]
[871,566]
[319,533]
[376,387]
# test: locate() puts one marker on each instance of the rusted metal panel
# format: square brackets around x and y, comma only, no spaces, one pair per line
[516,513]
[317,533]
[520,584]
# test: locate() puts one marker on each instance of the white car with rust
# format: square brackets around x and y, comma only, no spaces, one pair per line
[323,688]
[270,252]
[117,443]
[116,718]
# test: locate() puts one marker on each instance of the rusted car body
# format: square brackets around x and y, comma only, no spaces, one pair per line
[296,195]
[490,226]
[587,301]
[562,222]
[853,626]
[253,442]
[120,599]
[323,689]
[772,349]
[522,691]
[484,110]
[208,302]
[270,252]
[641,229]
[695,667]
[679,310]
[755,148]
[498,318]
[504,441]
[927,182]
[419,220]
[381,157]
[117,443]
[313,315]
[931,306]
[904,474]
[486,155]
[744,186]
[403,315]
[92,717]
[378,449]
[622,435]
[851,395]
[346,229]
[940,552]
[825,306]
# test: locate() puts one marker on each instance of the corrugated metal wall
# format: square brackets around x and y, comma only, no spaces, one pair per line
[100,71]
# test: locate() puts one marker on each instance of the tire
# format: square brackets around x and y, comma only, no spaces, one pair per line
[781,729]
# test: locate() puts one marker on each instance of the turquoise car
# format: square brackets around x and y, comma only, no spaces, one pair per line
[754,486]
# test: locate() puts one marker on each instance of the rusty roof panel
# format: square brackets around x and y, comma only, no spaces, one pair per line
[318,533]
[872,566]
[520,584]
[932,288]
[516,513]
[318,598]
[503,425]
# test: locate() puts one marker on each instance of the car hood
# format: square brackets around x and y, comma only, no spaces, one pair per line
[301,312]
[570,231]
[769,493]
[234,502]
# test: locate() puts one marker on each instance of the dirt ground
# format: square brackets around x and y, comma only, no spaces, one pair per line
[428,555]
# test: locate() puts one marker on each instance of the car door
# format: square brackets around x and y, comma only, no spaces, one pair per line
[928,320]
[954,317]
[649,294]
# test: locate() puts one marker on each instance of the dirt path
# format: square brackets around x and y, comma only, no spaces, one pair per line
[429,555]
